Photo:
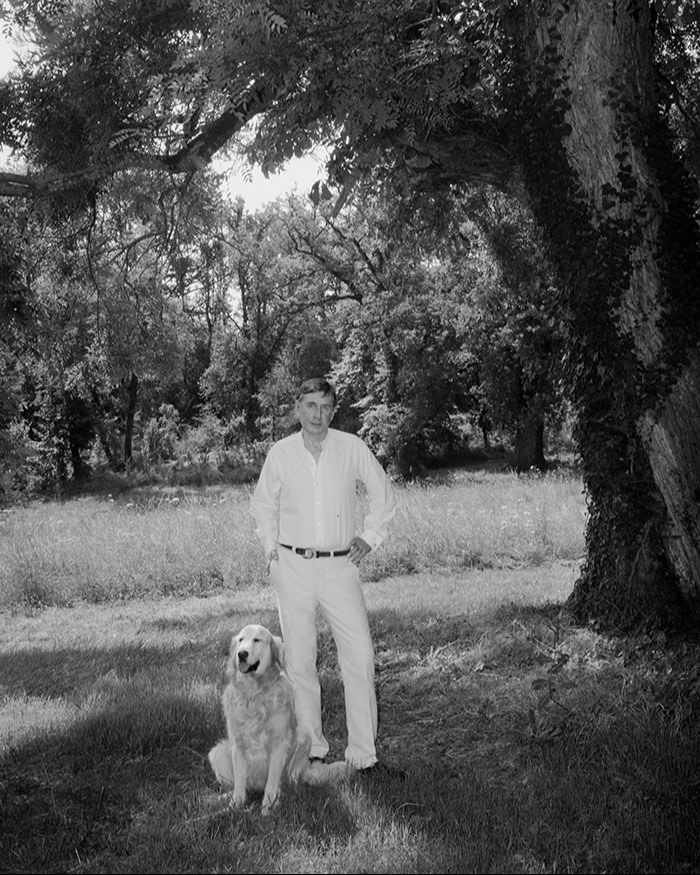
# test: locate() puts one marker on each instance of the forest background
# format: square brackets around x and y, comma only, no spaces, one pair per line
[174,350]
[504,243]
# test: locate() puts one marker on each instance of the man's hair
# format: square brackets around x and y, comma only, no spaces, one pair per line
[316,384]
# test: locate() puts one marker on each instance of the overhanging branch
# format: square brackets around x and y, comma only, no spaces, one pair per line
[470,157]
[191,158]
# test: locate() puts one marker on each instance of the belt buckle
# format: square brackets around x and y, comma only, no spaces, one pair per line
[308,553]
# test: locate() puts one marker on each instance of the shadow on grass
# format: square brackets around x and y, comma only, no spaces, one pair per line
[197,644]
[133,725]
[603,784]
[123,790]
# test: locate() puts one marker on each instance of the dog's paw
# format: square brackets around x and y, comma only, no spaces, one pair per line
[327,773]
[268,805]
[339,771]
[238,800]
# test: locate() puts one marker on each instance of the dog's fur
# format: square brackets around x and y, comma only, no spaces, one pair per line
[264,743]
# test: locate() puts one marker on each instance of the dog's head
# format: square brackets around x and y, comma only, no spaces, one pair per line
[254,651]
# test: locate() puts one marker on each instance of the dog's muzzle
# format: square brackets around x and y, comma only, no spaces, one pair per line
[243,662]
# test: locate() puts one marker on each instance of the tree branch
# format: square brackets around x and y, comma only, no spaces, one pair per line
[191,158]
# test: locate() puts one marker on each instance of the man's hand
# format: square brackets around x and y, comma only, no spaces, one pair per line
[358,550]
[271,557]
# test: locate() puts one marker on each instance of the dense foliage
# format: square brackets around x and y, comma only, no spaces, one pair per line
[180,338]
[585,113]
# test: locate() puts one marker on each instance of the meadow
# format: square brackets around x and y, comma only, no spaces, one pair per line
[529,745]
[175,541]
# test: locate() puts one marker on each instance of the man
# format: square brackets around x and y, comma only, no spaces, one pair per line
[304,505]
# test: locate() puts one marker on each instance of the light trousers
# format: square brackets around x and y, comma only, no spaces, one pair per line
[332,584]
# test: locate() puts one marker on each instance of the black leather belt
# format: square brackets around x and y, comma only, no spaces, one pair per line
[308,553]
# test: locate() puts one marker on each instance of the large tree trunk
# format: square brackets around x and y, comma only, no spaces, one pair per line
[529,446]
[616,204]
[673,439]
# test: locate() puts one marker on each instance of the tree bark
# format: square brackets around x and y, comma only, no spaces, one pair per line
[529,446]
[80,472]
[673,441]
[606,186]
[132,397]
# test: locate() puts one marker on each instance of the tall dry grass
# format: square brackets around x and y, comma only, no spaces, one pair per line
[484,520]
[192,542]
[101,549]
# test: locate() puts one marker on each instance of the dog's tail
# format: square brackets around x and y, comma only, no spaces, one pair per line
[299,760]
[221,760]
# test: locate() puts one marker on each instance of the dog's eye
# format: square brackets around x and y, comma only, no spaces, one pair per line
[256,640]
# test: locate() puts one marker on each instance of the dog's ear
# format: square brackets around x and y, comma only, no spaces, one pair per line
[277,647]
[231,669]
[231,662]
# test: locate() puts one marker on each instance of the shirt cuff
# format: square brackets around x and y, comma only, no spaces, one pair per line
[372,538]
[268,545]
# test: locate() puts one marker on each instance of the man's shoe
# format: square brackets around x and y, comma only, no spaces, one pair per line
[381,770]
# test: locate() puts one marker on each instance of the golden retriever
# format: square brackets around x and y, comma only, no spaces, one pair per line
[264,743]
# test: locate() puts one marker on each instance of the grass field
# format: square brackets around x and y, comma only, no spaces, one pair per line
[529,745]
[166,542]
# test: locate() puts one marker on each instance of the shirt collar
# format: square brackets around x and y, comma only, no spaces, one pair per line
[300,437]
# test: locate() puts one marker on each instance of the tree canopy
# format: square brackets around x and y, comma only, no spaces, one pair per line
[586,112]
[166,85]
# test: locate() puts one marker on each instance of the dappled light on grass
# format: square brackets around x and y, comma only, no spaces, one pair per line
[529,745]
[25,718]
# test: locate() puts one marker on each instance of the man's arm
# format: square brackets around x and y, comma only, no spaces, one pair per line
[264,507]
[381,495]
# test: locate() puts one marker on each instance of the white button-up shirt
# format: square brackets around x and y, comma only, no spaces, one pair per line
[305,503]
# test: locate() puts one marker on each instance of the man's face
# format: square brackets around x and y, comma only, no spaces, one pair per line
[315,412]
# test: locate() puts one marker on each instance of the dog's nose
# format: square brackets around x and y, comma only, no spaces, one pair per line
[242,655]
